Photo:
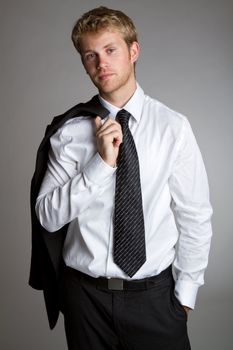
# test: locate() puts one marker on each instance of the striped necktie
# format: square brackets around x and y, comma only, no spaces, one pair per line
[129,232]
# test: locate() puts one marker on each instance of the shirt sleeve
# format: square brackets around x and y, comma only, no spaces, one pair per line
[190,192]
[66,191]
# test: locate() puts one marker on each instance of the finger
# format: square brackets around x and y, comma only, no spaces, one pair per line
[108,129]
[118,141]
[109,122]
[117,138]
[98,123]
[112,137]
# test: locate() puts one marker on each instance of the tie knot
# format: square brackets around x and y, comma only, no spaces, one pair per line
[123,117]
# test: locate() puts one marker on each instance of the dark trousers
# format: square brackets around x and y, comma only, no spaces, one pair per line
[145,315]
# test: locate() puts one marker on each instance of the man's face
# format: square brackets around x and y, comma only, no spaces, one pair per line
[109,62]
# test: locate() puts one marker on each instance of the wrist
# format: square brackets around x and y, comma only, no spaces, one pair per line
[109,160]
[187,309]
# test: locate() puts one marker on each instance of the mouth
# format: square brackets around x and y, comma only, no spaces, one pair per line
[105,76]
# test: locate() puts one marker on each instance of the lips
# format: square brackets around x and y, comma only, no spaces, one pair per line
[105,76]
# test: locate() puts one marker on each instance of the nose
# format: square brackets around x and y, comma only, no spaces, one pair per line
[102,62]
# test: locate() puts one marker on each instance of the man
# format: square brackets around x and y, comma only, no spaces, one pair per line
[114,182]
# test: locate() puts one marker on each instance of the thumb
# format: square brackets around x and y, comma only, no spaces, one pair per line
[98,123]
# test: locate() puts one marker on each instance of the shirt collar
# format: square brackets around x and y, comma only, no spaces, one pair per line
[133,106]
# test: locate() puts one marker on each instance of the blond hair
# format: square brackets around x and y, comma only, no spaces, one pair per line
[104,18]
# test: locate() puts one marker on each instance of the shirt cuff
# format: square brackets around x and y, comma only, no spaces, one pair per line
[98,171]
[186,293]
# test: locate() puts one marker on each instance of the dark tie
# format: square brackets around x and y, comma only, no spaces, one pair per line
[129,233]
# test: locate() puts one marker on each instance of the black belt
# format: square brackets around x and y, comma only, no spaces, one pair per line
[122,284]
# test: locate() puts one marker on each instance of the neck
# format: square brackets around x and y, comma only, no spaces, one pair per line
[120,97]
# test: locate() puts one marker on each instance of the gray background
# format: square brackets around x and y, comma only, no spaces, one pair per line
[186,62]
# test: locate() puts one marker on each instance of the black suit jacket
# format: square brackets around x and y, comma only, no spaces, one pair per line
[46,254]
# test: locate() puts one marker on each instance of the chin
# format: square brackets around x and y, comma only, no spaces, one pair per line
[106,88]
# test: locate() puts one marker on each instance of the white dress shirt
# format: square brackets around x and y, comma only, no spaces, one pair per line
[78,188]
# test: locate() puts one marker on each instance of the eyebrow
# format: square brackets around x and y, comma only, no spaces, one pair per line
[105,47]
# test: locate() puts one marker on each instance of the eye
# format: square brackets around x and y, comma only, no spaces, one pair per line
[110,50]
[90,56]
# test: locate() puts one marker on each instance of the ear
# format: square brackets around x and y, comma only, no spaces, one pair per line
[134,51]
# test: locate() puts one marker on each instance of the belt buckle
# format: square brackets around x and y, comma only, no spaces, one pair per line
[115,284]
